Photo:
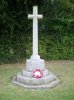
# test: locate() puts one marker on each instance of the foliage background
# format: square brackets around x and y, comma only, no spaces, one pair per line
[56,30]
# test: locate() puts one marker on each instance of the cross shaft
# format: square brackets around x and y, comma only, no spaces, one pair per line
[35,18]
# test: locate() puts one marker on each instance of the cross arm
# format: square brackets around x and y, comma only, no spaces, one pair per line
[30,16]
[39,16]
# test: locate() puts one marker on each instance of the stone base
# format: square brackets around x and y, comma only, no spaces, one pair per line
[48,81]
[32,64]
[25,78]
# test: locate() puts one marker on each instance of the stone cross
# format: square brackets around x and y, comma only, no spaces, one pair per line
[35,76]
[35,18]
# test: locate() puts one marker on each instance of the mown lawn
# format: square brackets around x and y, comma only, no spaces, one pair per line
[64,70]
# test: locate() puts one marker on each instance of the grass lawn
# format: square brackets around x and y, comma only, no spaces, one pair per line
[64,70]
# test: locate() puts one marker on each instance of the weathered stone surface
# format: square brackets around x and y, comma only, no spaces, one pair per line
[38,83]
[32,64]
[29,73]
[25,78]
[34,81]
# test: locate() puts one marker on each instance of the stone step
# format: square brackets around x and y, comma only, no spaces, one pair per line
[29,73]
[34,81]
[44,86]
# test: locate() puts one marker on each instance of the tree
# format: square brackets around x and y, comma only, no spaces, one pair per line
[56,38]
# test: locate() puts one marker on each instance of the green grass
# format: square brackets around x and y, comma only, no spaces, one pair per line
[64,70]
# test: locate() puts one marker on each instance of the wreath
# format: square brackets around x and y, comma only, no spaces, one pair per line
[37,73]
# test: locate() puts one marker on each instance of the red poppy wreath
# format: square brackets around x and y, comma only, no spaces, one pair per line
[37,73]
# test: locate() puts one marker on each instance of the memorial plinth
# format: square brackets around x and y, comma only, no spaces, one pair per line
[35,76]
[25,78]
